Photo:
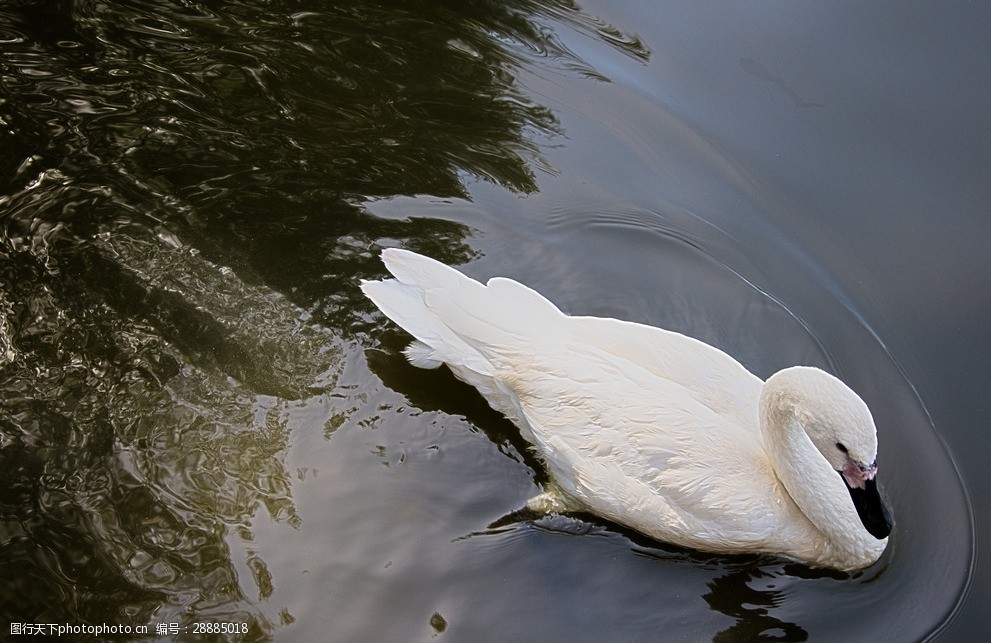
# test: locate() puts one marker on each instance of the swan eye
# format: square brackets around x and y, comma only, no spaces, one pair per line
[839,445]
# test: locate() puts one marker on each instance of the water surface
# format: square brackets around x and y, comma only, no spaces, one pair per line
[203,421]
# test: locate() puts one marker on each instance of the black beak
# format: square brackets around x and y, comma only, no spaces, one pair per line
[873,514]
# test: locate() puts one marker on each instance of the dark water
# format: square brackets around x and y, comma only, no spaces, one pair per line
[203,421]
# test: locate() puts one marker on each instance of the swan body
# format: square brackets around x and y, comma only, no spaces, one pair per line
[651,429]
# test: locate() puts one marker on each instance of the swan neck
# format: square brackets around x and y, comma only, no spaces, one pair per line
[808,478]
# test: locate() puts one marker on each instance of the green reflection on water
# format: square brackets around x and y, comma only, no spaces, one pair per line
[179,259]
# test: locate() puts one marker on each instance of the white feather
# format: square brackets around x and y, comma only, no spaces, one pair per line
[646,427]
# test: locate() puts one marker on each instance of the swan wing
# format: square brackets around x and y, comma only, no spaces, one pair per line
[706,373]
[643,451]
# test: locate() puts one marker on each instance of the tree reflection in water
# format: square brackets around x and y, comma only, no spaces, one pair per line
[177,189]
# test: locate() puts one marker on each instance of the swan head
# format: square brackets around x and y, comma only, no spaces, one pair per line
[837,421]
[841,428]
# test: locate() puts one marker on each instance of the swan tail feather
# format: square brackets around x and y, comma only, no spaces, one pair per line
[435,343]
[456,319]
[421,355]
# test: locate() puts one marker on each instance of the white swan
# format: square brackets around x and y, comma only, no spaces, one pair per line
[652,429]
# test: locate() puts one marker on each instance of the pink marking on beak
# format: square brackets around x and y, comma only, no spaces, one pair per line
[857,475]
